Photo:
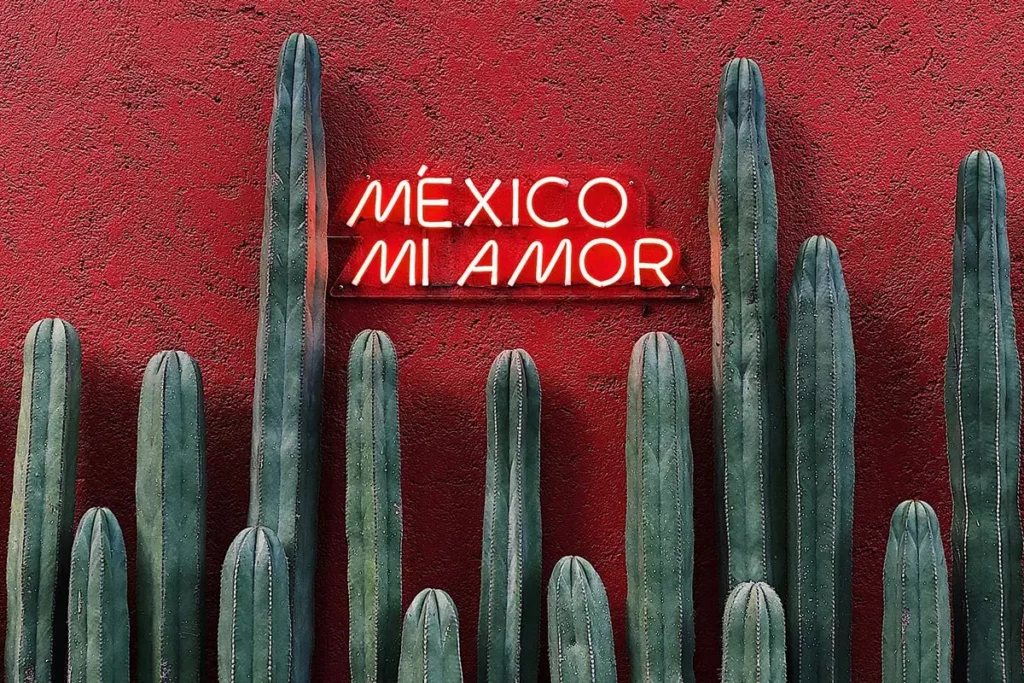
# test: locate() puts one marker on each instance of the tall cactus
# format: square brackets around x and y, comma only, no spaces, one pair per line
[915,629]
[983,432]
[98,602]
[430,640]
[373,510]
[510,576]
[746,363]
[290,345]
[580,644]
[820,399]
[253,632]
[753,636]
[43,503]
[170,503]
[659,514]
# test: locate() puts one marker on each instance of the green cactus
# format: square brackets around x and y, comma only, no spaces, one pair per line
[510,576]
[43,503]
[430,640]
[580,644]
[253,632]
[746,362]
[98,602]
[290,345]
[659,514]
[373,510]
[170,502]
[820,398]
[915,629]
[983,432]
[753,636]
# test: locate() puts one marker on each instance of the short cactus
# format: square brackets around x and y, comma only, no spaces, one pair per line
[580,644]
[43,503]
[659,514]
[98,602]
[983,397]
[746,364]
[916,627]
[290,345]
[170,500]
[820,397]
[373,510]
[510,577]
[254,629]
[753,636]
[430,640]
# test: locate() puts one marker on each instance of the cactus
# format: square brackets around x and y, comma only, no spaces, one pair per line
[659,514]
[290,345]
[253,632]
[510,576]
[430,640]
[170,502]
[820,398]
[915,629]
[43,503]
[746,363]
[753,636]
[983,432]
[580,645]
[98,602]
[373,510]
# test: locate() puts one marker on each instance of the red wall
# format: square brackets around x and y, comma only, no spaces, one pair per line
[132,148]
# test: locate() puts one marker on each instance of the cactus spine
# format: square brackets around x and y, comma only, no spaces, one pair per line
[820,398]
[430,640]
[373,516]
[580,644]
[170,501]
[98,602]
[915,629]
[659,514]
[753,636]
[746,363]
[43,503]
[254,629]
[982,431]
[510,575]
[290,345]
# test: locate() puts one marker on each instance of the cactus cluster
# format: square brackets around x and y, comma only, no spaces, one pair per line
[659,514]
[983,432]
[43,502]
[254,639]
[916,626]
[67,594]
[746,363]
[753,635]
[373,510]
[430,640]
[67,602]
[820,401]
[508,633]
[290,339]
[98,602]
[580,644]
[170,513]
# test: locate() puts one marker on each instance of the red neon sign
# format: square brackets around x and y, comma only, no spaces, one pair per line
[543,235]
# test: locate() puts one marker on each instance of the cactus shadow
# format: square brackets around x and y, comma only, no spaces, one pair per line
[345,114]
[795,157]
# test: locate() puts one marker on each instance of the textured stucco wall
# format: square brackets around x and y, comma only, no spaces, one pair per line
[132,152]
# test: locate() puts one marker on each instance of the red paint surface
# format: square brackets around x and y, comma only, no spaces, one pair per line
[132,151]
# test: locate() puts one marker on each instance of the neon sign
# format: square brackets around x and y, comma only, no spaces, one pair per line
[545,235]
